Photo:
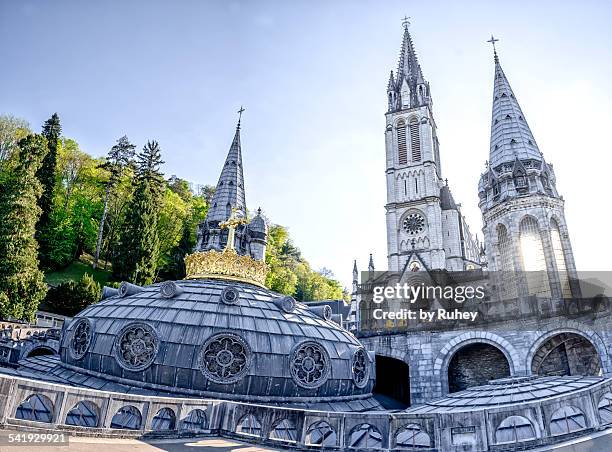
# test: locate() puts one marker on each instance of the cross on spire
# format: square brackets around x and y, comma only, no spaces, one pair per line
[406,22]
[493,41]
[240,114]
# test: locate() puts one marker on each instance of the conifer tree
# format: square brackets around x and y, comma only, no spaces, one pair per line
[118,158]
[46,175]
[21,282]
[137,252]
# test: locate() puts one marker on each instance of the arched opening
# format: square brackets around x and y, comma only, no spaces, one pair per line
[392,388]
[533,258]
[37,407]
[566,420]
[557,248]
[165,419]
[128,417]
[476,364]
[321,434]
[195,421]
[83,414]
[365,436]
[40,351]
[284,430]
[566,354]
[514,429]
[412,436]
[249,425]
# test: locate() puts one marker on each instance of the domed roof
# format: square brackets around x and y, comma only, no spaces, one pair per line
[258,223]
[511,390]
[218,338]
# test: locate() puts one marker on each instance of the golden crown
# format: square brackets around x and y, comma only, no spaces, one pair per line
[226,264]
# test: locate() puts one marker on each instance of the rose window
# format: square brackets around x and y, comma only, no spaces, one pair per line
[225,358]
[361,368]
[414,223]
[136,346]
[81,338]
[310,365]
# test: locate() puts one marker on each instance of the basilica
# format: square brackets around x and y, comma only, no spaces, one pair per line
[217,354]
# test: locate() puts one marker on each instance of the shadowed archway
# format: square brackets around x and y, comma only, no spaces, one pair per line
[392,388]
[475,364]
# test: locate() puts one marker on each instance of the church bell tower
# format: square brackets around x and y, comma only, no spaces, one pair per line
[414,181]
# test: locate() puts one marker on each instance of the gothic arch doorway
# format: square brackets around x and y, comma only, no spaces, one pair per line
[392,388]
[475,364]
[566,354]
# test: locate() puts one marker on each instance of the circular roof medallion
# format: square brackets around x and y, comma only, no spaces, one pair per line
[360,368]
[225,358]
[310,365]
[230,295]
[136,346]
[80,339]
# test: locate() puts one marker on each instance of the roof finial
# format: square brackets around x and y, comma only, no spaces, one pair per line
[406,22]
[240,114]
[493,41]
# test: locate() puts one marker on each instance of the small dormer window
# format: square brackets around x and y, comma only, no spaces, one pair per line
[496,146]
[512,141]
[530,142]
[231,183]
[520,180]
[496,121]
[508,117]
[496,189]
[504,95]
[520,118]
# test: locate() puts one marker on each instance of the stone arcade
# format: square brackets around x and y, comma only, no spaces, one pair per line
[219,354]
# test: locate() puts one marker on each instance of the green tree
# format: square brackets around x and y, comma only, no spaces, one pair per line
[21,282]
[136,256]
[12,130]
[46,175]
[71,297]
[119,157]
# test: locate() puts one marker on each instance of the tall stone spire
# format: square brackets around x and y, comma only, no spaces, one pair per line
[407,88]
[511,137]
[229,193]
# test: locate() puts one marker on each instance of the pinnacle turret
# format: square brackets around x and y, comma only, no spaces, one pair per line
[407,88]
[229,193]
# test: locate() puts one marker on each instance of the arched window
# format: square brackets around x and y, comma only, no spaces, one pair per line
[249,425]
[567,419]
[506,265]
[321,434]
[83,414]
[557,246]
[402,147]
[284,431]
[365,436]
[514,429]
[532,254]
[128,417]
[37,408]
[165,419]
[415,140]
[604,408]
[195,421]
[412,437]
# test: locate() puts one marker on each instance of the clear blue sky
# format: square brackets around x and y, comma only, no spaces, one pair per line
[312,75]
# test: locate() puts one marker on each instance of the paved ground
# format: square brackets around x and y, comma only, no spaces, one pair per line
[84,444]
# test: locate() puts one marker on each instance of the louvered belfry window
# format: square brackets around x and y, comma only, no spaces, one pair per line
[415,140]
[402,148]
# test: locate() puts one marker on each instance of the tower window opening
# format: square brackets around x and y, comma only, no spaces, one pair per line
[508,117]
[557,246]
[402,147]
[405,187]
[416,185]
[415,140]
[504,95]
[532,254]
